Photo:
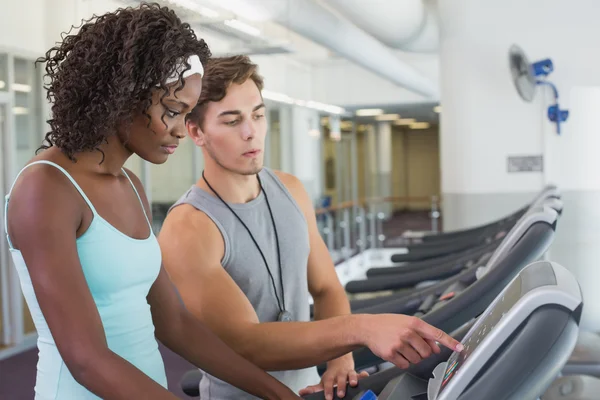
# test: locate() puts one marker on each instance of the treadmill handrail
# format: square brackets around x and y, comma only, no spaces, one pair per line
[537,214]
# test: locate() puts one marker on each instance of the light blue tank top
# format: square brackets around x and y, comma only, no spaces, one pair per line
[119,271]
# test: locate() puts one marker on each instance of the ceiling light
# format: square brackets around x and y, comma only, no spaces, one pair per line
[437,109]
[369,112]
[2,84]
[19,87]
[242,27]
[419,125]
[193,6]
[20,111]
[315,105]
[314,133]
[404,121]
[251,11]
[279,97]
[324,107]
[346,125]
[387,117]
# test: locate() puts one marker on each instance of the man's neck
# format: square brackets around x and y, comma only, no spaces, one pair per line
[231,187]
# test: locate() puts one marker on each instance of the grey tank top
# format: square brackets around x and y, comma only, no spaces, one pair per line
[244,264]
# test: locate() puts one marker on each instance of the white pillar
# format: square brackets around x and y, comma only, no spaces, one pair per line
[371,163]
[305,150]
[484,121]
[384,163]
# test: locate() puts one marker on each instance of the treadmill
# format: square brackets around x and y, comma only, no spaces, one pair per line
[549,191]
[431,251]
[409,276]
[451,303]
[527,241]
[536,314]
[412,275]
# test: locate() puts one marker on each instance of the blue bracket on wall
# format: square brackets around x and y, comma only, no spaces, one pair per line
[555,114]
[543,68]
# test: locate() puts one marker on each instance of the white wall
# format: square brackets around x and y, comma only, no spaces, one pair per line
[285,75]
[341,82]
[483,119]
[61,15]
[22,25]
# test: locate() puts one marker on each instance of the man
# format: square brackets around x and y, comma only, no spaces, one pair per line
[243,248]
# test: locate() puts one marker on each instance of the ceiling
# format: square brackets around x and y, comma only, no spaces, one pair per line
[369,33]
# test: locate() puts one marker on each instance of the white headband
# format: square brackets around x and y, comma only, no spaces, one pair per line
[195,68]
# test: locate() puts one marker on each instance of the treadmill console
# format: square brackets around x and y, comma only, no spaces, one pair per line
[539,284]
[482,329]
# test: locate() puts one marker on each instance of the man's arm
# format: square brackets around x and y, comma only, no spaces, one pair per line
[328,294]
[192,249]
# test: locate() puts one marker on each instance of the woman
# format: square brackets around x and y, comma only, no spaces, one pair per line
[78,223]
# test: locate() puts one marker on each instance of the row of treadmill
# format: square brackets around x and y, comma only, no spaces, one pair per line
[516,313]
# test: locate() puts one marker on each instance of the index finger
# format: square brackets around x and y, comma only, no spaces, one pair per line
[431,332]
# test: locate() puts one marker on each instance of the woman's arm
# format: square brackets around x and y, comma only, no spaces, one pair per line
[180,331]
[44,213]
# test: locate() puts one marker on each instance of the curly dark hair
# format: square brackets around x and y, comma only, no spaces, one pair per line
[104,73]
[219,74]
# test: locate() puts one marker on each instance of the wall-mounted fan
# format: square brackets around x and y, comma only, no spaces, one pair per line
[527,76]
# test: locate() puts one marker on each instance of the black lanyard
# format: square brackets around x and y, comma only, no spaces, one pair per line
[284,315]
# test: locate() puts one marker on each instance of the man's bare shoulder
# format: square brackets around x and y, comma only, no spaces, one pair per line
[290,181]
[296,188]
[190,230]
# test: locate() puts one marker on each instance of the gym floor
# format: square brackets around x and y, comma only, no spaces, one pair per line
[17,373]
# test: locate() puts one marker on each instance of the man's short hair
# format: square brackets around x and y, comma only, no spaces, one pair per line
[220,73]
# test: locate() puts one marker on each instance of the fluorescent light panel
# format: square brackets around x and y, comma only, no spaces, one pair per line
[404,121]
[279,97]
[254,11]
[20,111]
[193,6]
[346,125]
[19,87]
[369,112]
[419,125]
[242,27]
[283,98]
[387,117]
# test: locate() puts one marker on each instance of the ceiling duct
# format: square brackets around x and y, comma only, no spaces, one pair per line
[339,35]
[410,25]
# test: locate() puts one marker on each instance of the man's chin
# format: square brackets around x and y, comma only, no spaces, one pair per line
[253,171]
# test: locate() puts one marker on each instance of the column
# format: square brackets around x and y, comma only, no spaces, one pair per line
[384,164]
[305,150]
[484,122]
